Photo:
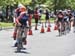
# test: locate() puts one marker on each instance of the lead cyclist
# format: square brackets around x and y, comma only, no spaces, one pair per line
[22,21]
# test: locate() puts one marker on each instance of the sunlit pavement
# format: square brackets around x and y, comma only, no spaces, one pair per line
[39,44]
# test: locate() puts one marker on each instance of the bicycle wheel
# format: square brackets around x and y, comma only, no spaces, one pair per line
[19,39]
[59,30]
[19,46]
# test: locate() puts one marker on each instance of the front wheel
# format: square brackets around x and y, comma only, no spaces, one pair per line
[19,45]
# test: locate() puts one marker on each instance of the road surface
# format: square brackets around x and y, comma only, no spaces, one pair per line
[39,44]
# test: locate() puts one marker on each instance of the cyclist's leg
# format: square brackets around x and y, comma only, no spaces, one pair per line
[58,25]
[19,39]
[25,34]
[70,24]
[15,35]
[29,24]
[63,26]
[74,24]
[66,26]
[59,28]
[73,27]
[15,32]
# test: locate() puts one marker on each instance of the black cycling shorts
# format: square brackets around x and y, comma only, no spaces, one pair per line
[36,20]
[47,17]
[60,19]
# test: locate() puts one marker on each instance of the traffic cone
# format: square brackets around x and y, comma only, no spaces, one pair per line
[30,32]
[42,29]
[48,29]
[55,27]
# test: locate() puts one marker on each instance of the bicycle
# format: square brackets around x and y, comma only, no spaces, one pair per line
[74,24]
[66,25]
[21,39]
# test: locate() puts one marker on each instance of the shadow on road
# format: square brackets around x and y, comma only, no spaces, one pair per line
[25,52]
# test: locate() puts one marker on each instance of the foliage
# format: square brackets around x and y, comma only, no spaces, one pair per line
[52,4]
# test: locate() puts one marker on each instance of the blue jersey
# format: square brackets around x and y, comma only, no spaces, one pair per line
[24,19]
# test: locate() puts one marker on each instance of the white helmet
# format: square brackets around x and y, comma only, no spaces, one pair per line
[20,5]
[68,10]
[60,10]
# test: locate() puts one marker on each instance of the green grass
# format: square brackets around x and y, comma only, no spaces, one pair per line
[3,24]
[43,19]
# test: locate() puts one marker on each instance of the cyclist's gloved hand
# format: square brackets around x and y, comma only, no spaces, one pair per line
[19,24]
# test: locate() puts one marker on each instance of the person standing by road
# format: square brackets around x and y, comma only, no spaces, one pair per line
[36,16]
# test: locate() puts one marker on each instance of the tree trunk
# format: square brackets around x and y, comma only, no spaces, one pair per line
[7,8]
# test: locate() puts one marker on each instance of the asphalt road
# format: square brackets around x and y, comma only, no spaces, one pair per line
[39,44]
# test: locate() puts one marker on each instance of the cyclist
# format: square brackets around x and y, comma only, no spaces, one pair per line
[66,20]
[22,22]
[16,14]
[69,14]
[59,19]
[74,20]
